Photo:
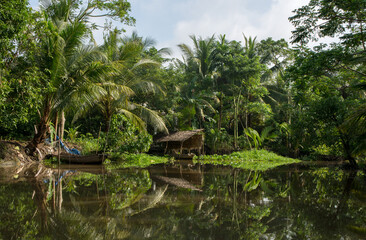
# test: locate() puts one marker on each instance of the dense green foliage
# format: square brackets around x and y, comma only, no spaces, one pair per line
[125,137]
[298,102]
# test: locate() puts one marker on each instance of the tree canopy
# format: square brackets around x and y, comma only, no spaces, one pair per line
[295,100]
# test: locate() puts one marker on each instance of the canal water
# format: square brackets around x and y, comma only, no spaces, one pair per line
[182,202]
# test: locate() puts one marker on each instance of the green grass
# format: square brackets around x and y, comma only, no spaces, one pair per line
[258,160]
[142,160]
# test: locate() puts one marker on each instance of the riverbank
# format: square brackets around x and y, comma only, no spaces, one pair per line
[12,154]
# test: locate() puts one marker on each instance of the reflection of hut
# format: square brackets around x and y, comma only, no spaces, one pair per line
[192,175]
[183,140]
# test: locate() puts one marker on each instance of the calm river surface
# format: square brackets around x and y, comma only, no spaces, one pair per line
[182,202]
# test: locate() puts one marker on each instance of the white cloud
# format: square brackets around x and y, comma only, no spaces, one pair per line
[235,17]
[261,18]
[276,23]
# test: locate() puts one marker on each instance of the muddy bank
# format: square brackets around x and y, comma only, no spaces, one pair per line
[12,153]
[15,164]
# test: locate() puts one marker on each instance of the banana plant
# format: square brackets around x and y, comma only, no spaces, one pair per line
[256,140]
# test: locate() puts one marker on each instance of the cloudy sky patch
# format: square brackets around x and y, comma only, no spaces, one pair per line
[171,22]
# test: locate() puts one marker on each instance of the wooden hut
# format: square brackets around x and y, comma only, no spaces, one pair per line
[183,140]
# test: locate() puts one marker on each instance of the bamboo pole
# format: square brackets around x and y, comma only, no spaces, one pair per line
[59,148]
[62,125]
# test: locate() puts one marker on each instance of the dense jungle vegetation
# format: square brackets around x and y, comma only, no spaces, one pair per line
[290,98]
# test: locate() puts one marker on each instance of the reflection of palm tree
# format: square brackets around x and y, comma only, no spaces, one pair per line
[123,193]
[73,225]
[156,197]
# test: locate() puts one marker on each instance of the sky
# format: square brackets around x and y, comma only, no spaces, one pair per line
[171,22]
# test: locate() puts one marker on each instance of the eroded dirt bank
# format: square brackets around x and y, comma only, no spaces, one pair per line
[12,153]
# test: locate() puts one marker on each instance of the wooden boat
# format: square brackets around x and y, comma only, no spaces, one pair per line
[79,159]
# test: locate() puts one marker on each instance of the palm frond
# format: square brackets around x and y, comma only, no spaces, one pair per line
[145,87]
[145,62]
[117,90]
[151,117]
[134,119]
[357,118]
[165,51]
[73,36]
[83,96]
[187,51]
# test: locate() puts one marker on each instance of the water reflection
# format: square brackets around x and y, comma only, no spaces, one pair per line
[182,202]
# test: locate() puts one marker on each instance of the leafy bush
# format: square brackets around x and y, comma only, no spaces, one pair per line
[257,140]
[89,144]
[72,133]
[218,141]
[20,98]
[125,137]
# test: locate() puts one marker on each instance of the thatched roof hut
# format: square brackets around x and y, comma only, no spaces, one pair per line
[180,136]
[183,140]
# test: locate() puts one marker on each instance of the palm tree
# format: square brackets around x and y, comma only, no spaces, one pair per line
[201,59]
[85,70]
[126,82]
[200,64]
[68,67]
[196,105]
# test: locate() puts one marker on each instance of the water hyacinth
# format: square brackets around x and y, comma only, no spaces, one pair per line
[260,160]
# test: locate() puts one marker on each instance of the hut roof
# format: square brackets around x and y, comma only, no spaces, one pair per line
[179,136]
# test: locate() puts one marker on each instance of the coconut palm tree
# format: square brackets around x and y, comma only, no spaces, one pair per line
[200,64]
[126,82]
[200,59]
[69,68]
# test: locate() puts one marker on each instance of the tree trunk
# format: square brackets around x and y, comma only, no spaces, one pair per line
[107,115]
[55,124]
[249,120]
[236,121]
[220,113]
[236,124]
[347,150]
[108,122]
[42,130]
[62,125]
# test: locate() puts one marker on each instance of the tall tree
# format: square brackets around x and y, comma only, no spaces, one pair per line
[126,81]
[67,26]
[330,69]
[200,66]
[240,72]
[21,81]
[344,20]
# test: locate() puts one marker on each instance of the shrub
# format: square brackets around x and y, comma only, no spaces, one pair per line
[123,136]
